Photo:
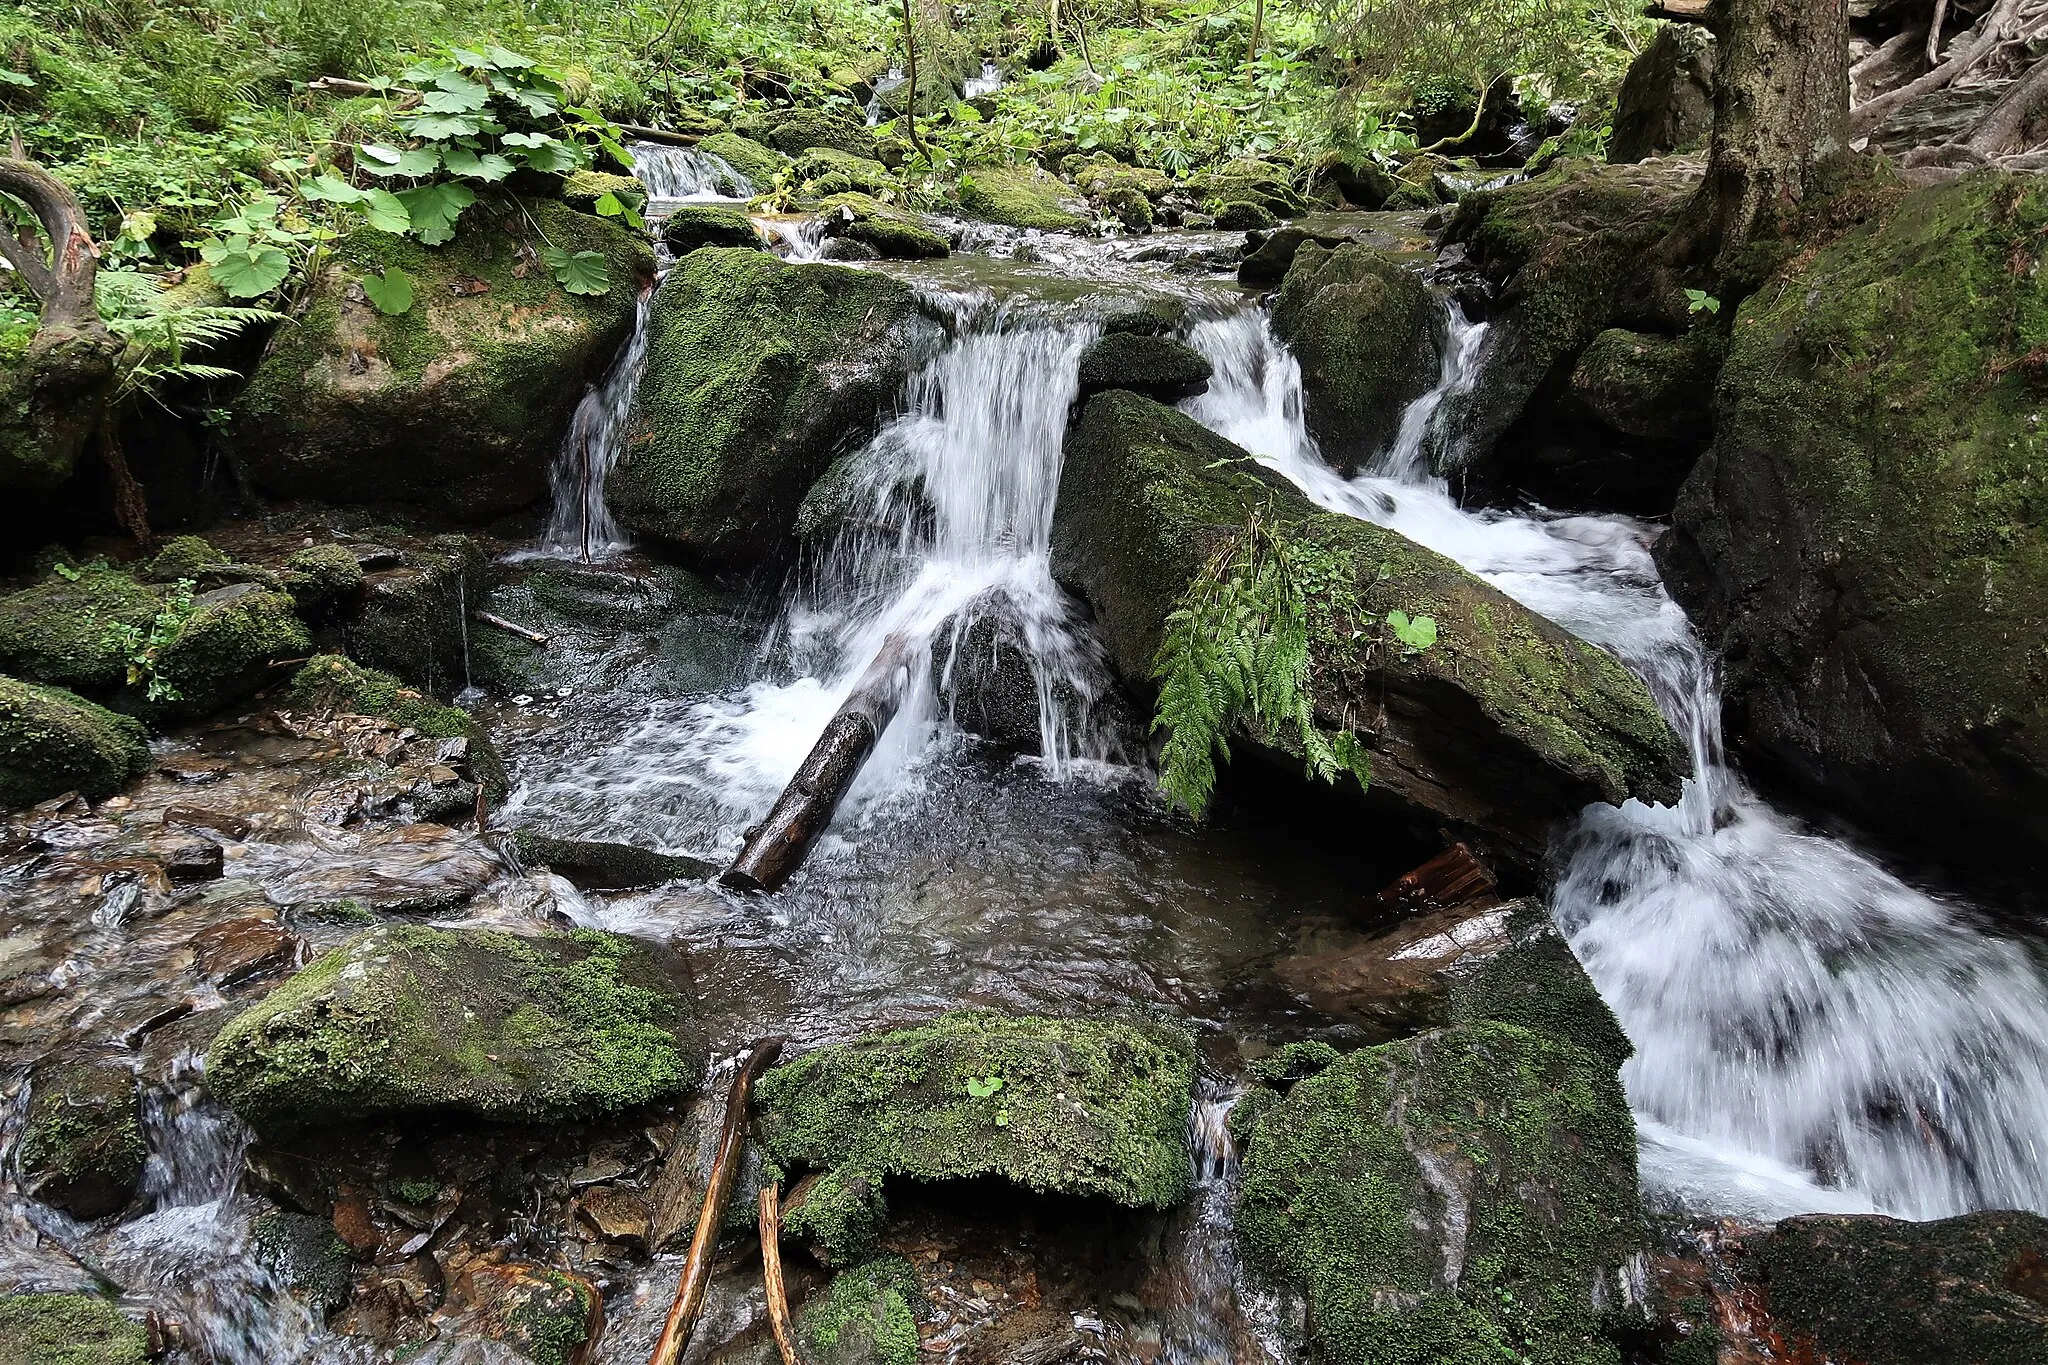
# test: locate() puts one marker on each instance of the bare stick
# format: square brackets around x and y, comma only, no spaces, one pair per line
[771,1276]
[511,627]
[1934,32]
[732,1140]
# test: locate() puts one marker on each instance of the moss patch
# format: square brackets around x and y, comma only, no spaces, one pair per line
[1020,198]
[1466,1195]
[330,682]
[56,632]
[696,225]
[758,163]
[1158,367]
[1368,334]
[411,1020]
[896,234]
[52,742]
[68,1329]
[866,1316]
[226,651]
[82,1148]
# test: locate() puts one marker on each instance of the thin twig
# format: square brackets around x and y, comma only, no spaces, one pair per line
[771,1275]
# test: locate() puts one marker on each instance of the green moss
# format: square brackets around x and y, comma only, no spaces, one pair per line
[57,631]
[1088,1107]
[68,1329]
[1295,1062]
[329,682]
[1020,197]
[1247,181]
[1242,216]
[791,131]
[896,234]
[758,163]
[52,742]
[842,1213]
[1466,1195]
[697,225]
[1537,984]
[82,1148]
[756,373]
[1156,366]
[1367,332]
[182,557]
[410,1020]
[321,574]
[582,189]
[305,1254]
[822,171]
[228,650]
[868,1314]
[459,403]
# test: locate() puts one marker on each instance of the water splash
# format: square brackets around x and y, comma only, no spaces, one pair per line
[1215,1316]
[1811,1033]
[686,175]
[580,522]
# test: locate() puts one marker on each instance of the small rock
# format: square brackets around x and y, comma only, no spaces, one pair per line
[1158,367]
[187,858]
[82,1149]
[241,950]
[614,1213]
[220,822]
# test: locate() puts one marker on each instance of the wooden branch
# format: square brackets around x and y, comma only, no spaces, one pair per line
[1454,877]
[1875,67]
[771,1276]
[511,627]
[1934,32]
[341,85]
[64,282]
[2004,124]
[777,847]
[732,1141]
[1990,32]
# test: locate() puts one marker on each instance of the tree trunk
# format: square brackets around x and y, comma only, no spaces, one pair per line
[910,78]
[1781,115]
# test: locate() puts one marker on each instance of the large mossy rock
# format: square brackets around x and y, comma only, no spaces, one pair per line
[59,631]
[1886,1292]
[895,234]
[82,1148]
[1505,725]
[334,683]
[1666,102]
[227,650]
[1084,1107]
[1466,1195]
[757,162]
[795,131]
[758,373]
[68,1329]
[52,742]
[867,1315]
[1158,367]
[460,403]
[406,1020]
[1868,539]
[1368,334]
[1021,197]
[698,225]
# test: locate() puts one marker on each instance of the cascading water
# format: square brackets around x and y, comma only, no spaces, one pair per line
[684,174]
[1811,1033]
[580,522]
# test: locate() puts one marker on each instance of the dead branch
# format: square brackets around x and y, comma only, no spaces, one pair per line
[510,627]
[63,283]
[1991,31]
[1895,58]
[2003,129]
[732,1141]
[771,1275]
[1934,32]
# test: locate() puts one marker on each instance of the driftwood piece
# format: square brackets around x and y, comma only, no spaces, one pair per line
[777,847]
[1454,877]
[2003,128]
[510,627]
[732,1141]
[771,1276]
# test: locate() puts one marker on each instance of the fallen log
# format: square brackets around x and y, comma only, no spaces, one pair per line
[732,1141]
[777,847]
[1454,877]
[771,1276]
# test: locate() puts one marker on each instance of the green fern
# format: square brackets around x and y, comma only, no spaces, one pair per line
[1236,652]
[160,339]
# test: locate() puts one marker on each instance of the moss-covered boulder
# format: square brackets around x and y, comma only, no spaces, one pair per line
[407,1020]
[1071,1106]
[894,234]
[1158,367]
[1240,215]
[822,172]
[305,1255]
[62,631]
[1021,197]
[1368,334]
[68,1329]
[1469,1194]
[546,1315]
[1666,102]
[332,683]
[1506,724]
[866,1316]
[1887,1292]
[182,557]
[320,576]
[82,1149]
[459,403]
[760,164]
[226,650]
[1654,388]
[1868,539]
[1269,261]
[596,865]
[52,742]
[1250,181]
[758,373]
[581,190]
[795,131]
[697,225]
[52,390]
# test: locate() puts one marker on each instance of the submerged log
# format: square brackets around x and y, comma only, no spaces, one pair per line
[777,847]
[732,1141]
[1454,877]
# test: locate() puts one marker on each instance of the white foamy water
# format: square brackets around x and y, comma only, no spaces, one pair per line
[580,523]
[686,175]
[1812,1035]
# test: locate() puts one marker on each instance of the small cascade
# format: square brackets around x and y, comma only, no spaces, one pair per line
[803,239]
[580,522]
[686,175]
[987,83]
[1207,1322]
[1812,1035]
[882,87]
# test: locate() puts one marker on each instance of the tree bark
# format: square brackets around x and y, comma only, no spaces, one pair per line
[910,77]
[2004,127]
[1781,115]
[771,1276]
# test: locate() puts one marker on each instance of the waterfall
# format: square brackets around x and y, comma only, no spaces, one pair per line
[684,174]
[580,522]
[1812,1034]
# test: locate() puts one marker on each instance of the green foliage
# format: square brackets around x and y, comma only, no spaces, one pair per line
[390,293]
[1700,301]
[144,648]
[252,249]
[1236,653]
[162,337]
[580,272]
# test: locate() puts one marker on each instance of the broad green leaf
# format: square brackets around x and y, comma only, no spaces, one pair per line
[434,209]
[454,101]
[455,83]
[1417,634]
[490,167]
[386,212]
[468,58]
[538,103]
[246,272]
[529,139]
[21,78]
[557,157]
[584,272]
[412,163]
[501,60]
[434,127]
[982,1089]
[389,293]
[378,154]
[139,225]
[608,205]
[330,189]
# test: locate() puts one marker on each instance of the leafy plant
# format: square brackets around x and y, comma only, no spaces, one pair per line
[1416,634]
[162,340]
[143,650]
[389,293]
[982,1089]
[1700,301]
[252,250]
[1236,653]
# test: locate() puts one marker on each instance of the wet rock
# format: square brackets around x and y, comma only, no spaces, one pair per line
[413,619]
[82,1148]
[866,1316]
[1505,725]
[220,822]
[1085,1107]
[331,683]
[822,172]
[795,131]
[459,403]
[698,225]
[1268,262]
[187,857]
[1656,388]
[320,576]
[1154,316]
[894,234]
[1243,216]
[1948,115]
[1866,542]
[759,163]
[410,1020]
[240,950]
[182,557]
[305,1254]
[1021,197]
[1246,181]
[983,672]
[227,650]
[1156,366]
[758,372]
[581,190]
[549,1316]
[68,1329]
[1368,334]
[597,866]
[1887,1292]
[844,249]
[1666,102]
[1364,183]
[1434,1197]
[62,631]
[613,1213]
[52,742]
